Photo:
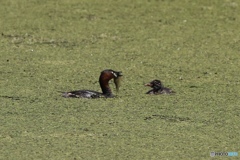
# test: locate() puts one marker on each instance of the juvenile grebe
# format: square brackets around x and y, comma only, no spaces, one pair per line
[104,78]
[158,88]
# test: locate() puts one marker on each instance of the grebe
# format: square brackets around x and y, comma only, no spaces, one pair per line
[105,77]
[158,88]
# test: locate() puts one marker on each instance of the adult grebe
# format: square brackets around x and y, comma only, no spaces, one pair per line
[104,79]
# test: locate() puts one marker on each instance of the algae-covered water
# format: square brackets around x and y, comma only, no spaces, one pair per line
[50,46]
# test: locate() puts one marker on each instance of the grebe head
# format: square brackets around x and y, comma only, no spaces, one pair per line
[106,76]
[155,84]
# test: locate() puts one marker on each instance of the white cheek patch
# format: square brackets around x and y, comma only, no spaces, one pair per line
[114,74]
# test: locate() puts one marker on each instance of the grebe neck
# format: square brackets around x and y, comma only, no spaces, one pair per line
[105,88]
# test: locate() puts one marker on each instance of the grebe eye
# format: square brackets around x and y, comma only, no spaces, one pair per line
[114,74]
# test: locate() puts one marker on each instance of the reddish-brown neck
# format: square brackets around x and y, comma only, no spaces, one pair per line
[105,86]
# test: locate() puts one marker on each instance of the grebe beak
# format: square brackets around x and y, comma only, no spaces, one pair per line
[148,84]
[119,74]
